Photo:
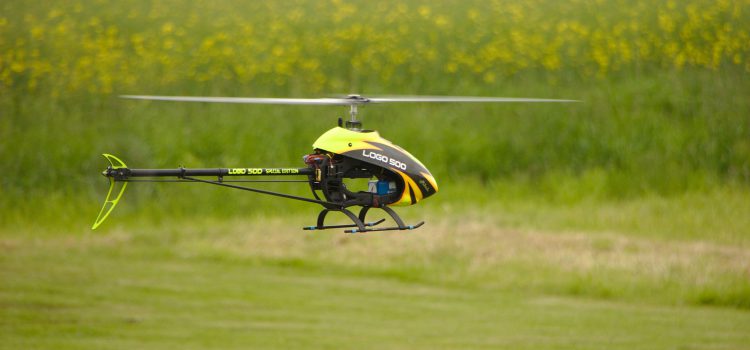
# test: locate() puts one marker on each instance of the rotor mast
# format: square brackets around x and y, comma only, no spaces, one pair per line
[354,124]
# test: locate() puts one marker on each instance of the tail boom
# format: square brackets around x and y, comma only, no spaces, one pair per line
[118,173]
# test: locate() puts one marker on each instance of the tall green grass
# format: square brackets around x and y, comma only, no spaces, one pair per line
[666,135]
[645,128]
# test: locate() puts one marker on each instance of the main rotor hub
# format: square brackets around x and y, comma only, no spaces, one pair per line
[356,100]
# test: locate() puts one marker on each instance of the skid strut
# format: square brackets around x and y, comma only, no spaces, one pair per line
[359,221]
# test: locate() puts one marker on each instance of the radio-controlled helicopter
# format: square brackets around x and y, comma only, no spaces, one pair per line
[396,178]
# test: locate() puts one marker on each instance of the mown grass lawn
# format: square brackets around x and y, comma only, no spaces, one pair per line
[234,285]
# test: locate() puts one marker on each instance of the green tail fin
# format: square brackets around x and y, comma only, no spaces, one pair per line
[110,202]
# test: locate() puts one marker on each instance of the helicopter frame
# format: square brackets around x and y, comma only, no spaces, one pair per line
[119,172]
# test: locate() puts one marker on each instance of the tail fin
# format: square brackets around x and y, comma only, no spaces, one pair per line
[111,201]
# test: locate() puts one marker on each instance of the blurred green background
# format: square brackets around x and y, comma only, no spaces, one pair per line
[638,196]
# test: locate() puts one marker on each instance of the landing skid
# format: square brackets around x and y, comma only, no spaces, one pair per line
[360,225]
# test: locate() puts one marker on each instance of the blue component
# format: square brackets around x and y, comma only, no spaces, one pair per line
[382,187]
[311,227]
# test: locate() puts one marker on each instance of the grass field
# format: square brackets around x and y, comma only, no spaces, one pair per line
[619,222]
[262,284]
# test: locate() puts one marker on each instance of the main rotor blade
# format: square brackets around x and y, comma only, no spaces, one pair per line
[461,99]
[253,100]
[348,101]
